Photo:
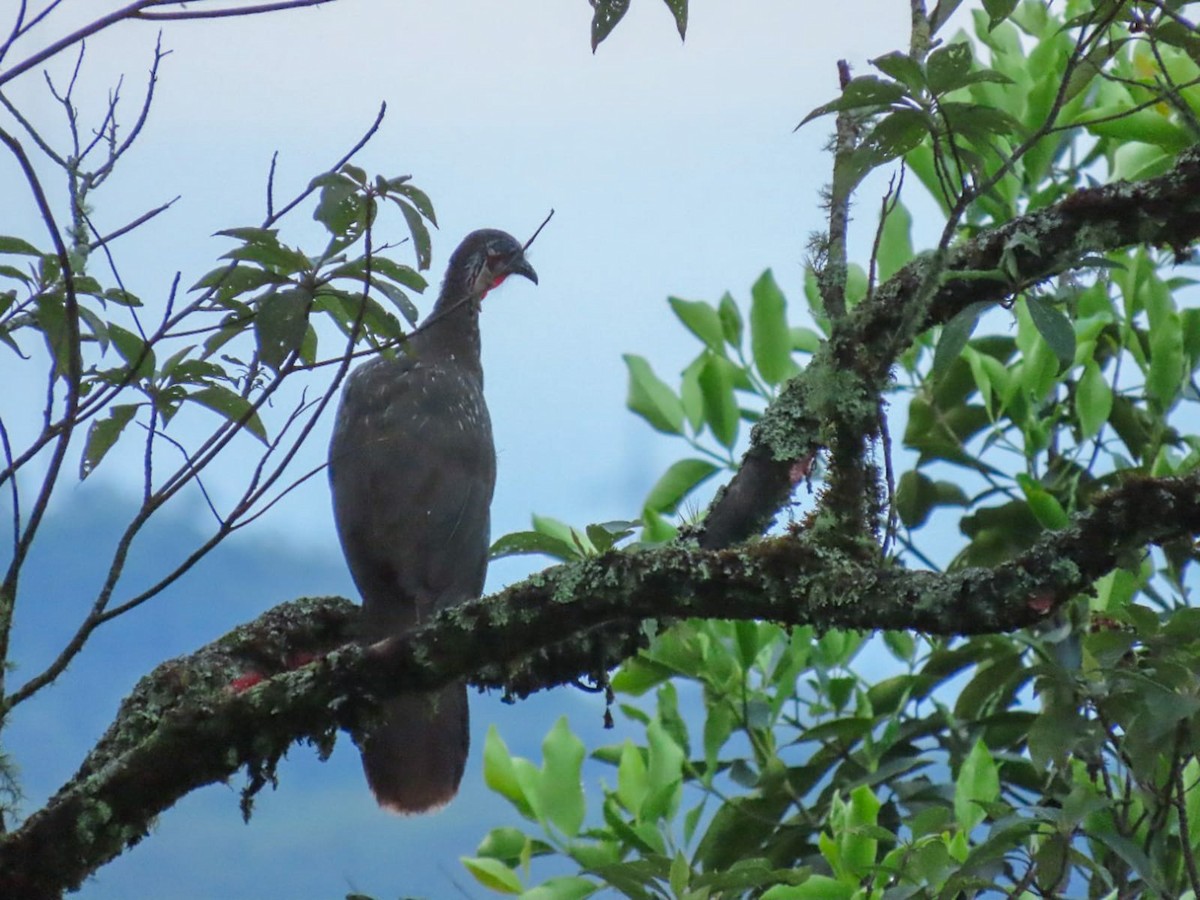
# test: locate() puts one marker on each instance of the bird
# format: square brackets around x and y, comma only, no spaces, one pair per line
[412,467]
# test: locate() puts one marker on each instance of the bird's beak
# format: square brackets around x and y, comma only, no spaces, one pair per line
[521,266]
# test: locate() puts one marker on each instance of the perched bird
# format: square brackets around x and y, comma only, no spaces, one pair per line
[412,467]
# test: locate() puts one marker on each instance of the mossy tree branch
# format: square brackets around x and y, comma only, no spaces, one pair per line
[852,371]
[198,720]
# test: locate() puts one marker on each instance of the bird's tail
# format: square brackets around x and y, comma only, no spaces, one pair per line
[415,758]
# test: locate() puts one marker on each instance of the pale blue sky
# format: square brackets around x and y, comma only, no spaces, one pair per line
[673,169]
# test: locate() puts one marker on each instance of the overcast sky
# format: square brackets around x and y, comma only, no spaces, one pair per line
[674,171]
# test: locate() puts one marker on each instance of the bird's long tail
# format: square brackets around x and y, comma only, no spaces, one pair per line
[415,758]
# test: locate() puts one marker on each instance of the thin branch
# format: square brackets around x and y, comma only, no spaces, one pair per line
[137,10]
[116,153]
[228,12]
[1179,796]
[14,32]
[33,133]
[265,508]
[13,489]
[271,186]
[346,157]
[125,229]
[74,375]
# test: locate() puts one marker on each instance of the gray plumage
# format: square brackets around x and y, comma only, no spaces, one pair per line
[412,467]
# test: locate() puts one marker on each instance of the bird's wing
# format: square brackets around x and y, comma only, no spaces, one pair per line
[412,479]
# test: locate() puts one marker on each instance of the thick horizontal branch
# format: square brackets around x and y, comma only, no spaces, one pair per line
[198,720]
[1162,211]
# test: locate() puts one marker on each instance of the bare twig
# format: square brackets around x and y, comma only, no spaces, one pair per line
[62,436]
[886,207]
[228,12]
[141,9]
[125,229]
[13,489]
[18,20]
[33,133]
[115,153]
[271,186]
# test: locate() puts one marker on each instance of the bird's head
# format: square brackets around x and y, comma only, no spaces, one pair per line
[483,260]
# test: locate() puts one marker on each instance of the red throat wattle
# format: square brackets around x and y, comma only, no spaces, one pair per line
[495,284]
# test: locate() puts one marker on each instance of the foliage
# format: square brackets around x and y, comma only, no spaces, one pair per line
[810,763]
[839,765]
[187,382]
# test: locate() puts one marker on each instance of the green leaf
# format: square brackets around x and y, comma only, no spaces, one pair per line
[399,299]
[978,783]
[998,11]
[805,340]
[493,874]
[681,874]
[1166,374]
[401,274]
[948,66]
[418,197]
[420,234]
[1045,506]
[564,887]
[701,320]
[102,434]
[955,335]
[231,280]
[16,245]
[269,253]
[650,397]
[720,405]
[731,320]
[917,495]
[770,340]
[1133,855]
[679,9]
[632,783]
[1055,328]
[901,67]
[233,407]
[864,91]
[280,325]
[1093,400]
[690,394]
[14,272]
[340,207]
[523,543]
[1146,126]
[896,134]
[605,16]
[136,352]
[505,843]
[499,773]
[96,325]
[677,482]
[607,534]
[859,847]
[561,782]
[664,773]
[815,887]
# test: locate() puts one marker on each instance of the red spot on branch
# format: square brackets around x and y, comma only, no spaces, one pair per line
[245,682]
[1042,602]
